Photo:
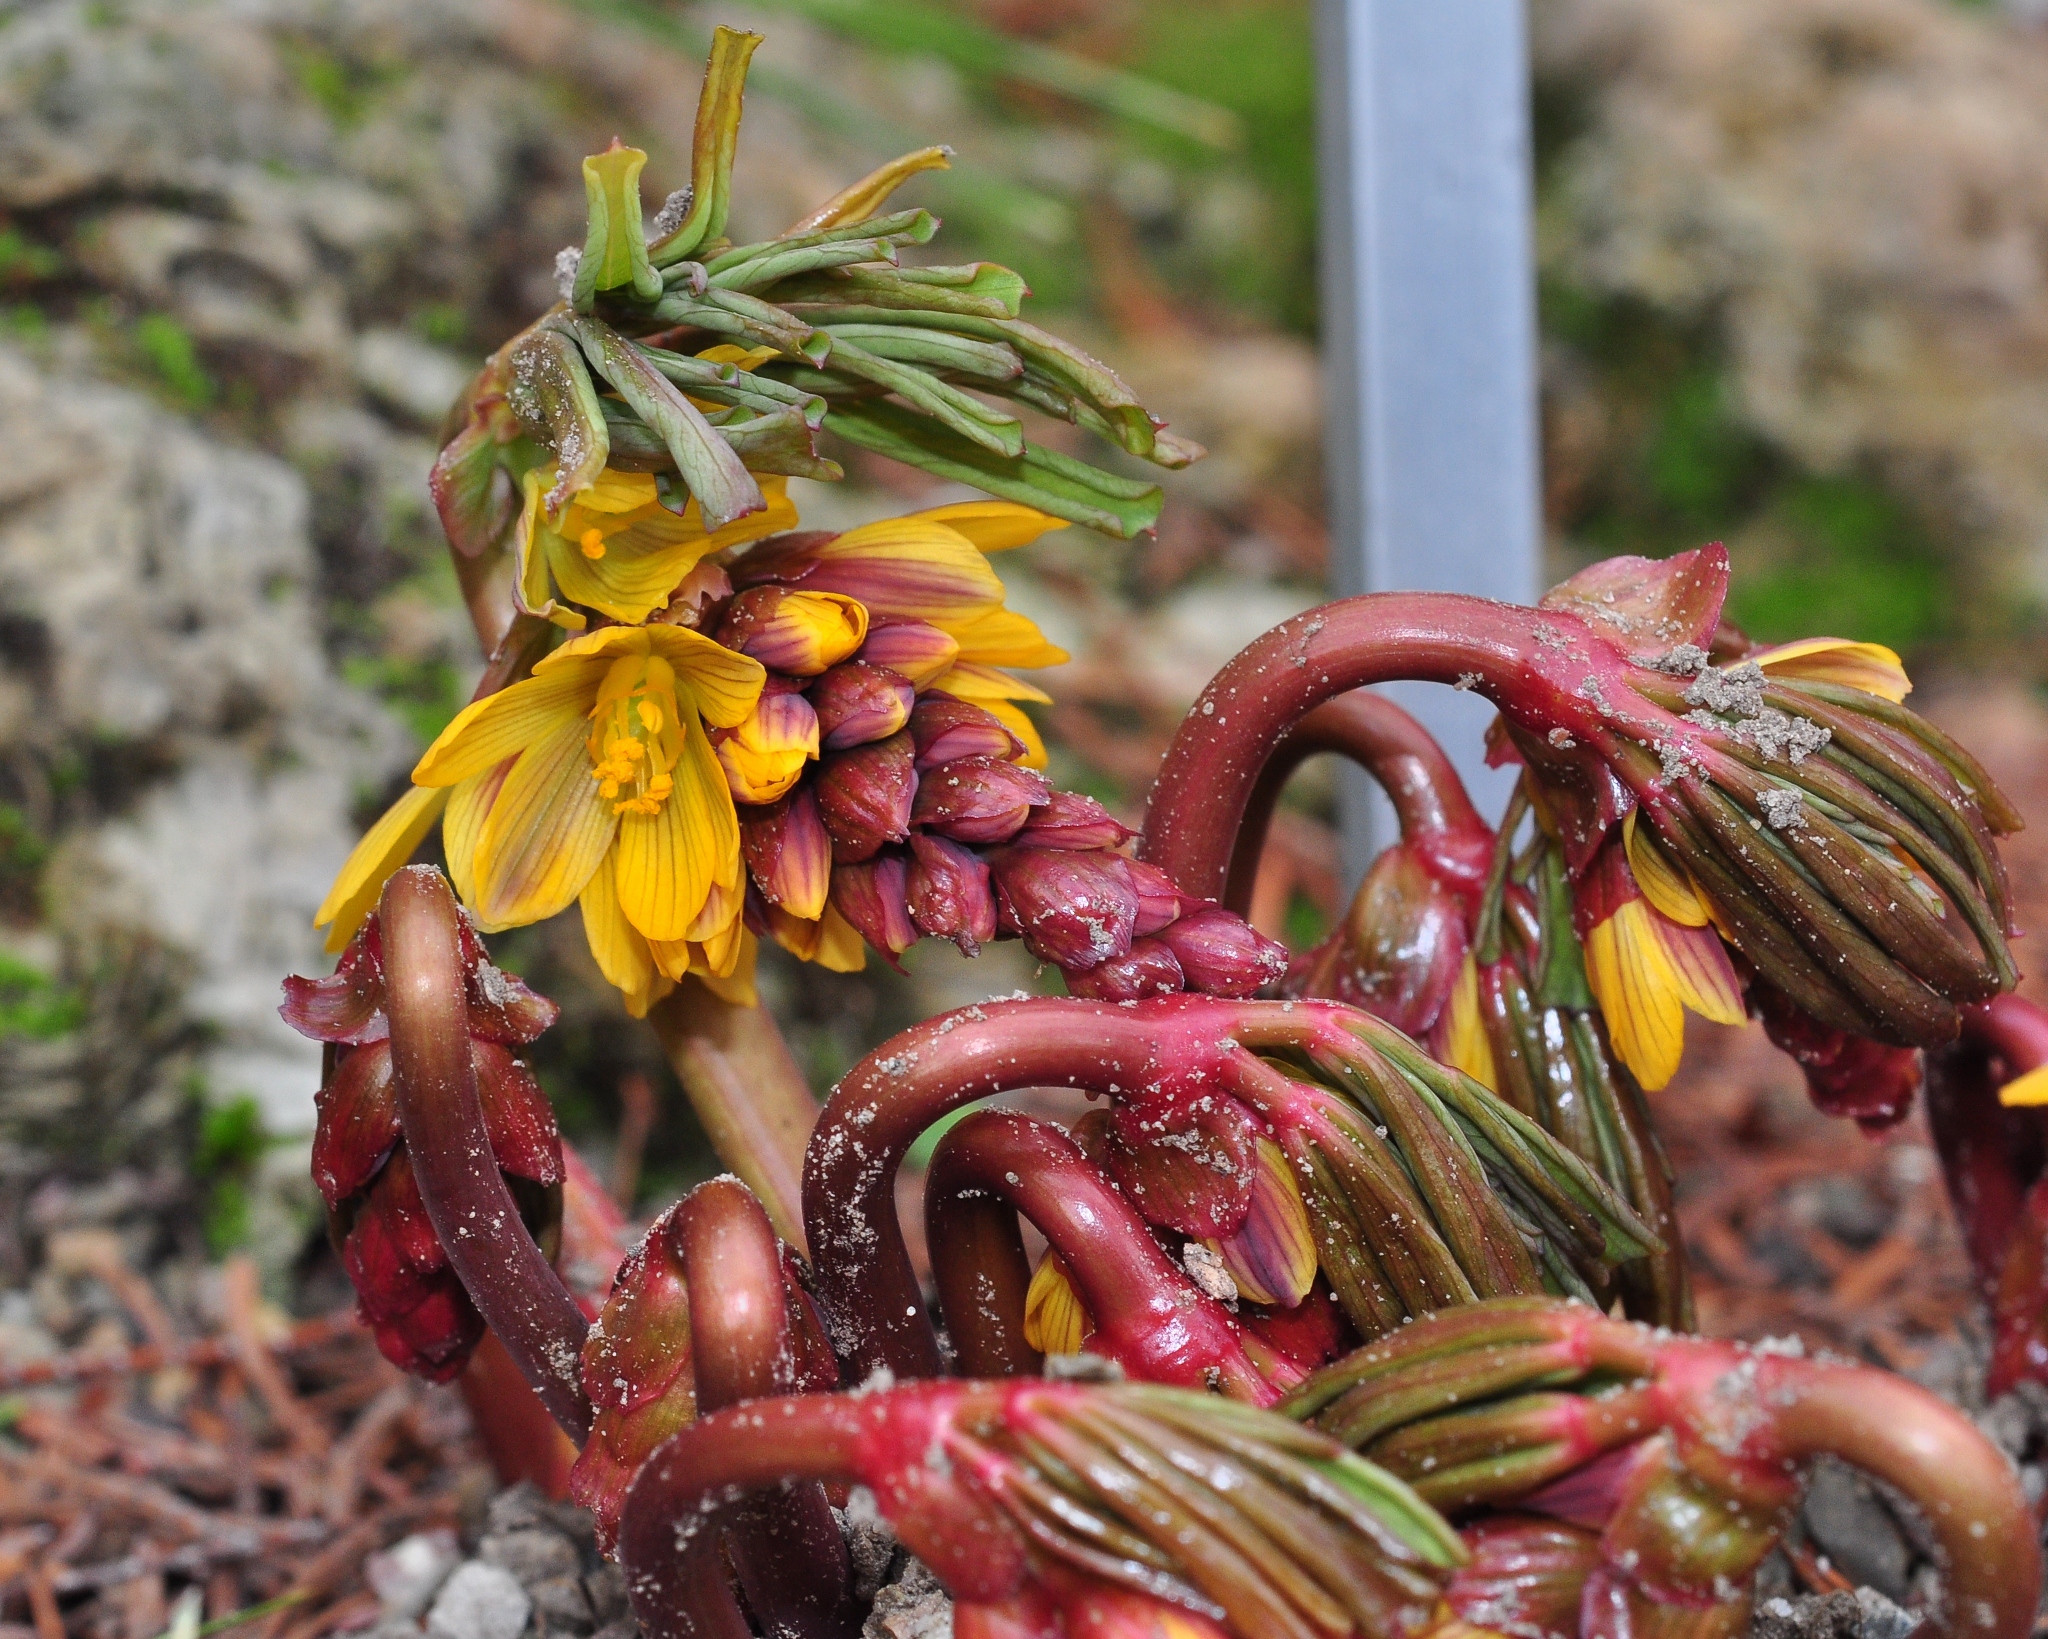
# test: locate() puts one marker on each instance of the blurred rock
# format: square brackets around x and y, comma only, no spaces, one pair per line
[479,1601]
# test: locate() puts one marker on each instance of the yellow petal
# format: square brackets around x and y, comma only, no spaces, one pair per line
[981,684]
[747,358]
[385,846]
[469,805]
[1014,719]
[736,988]
[546,833]
[994,526]
[635,576]
[1467,1046]
[1701,973]
[502,725]
[616,491]
[1002,637]
[2024,1092]
[616,946]
[1664,885]
[755,776]
[1631,977]
[1056,1321]
[1272,1257]
[1870,667]
[533,585]
[668,860]
[840,947]
[909,568]
[724,685]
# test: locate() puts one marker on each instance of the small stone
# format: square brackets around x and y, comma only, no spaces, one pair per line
[561,1603]
[914,1606]
[605,1588]
[1205,1268]
[405,1576]
[532,1556]
[1884,1620]
[1855,1530]
[479,1602]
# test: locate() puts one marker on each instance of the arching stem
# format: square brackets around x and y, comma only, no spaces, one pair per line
[1371,730]
[1150,1317]
[507,1276]
[791,1560]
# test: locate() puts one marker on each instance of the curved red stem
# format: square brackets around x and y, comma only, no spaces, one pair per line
[873,1309]
[790,1556]
[1149,1316]
[507,1276]
[1388,743]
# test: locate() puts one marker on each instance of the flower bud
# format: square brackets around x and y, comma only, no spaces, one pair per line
[1221,954]
[411,1300]
[1845,1075]
[1148,968]
[1074,910]
[637,1372]
[765,755]
[1159,901]
[1191,1168]
[789,854]
[911,648]
[1272,1254]
[949,893]
[1070,820]
[1398,951]
[873,897]
[858,704]
[865,797]
[945,729]
[978,800]
[797,633]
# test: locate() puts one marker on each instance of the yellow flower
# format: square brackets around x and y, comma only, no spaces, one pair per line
[618,550]
[1870,667]
[1056,1321]
[592,781]
[764,756]
[2027,1091]
[1650,957]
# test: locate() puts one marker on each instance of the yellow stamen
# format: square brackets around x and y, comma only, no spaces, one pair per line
[592,543]
[637,725]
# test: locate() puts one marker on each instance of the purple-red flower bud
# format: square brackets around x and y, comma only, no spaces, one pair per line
[914,649]
[1148,968]
[858,704]
[1845,1075]
[945,729]
[865,797]
[799,633]
[949,893]
[411,1300]
[1074,910]
[789,853]
[978,800]
[1221,954]
[1070,820]
[874,898]
[1159,901]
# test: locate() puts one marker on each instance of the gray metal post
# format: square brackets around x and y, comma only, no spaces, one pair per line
[1429,328]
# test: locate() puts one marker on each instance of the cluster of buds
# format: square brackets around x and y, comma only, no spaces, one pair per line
[1613,1446]
[408,1295]
[881,803]
[1049,1510]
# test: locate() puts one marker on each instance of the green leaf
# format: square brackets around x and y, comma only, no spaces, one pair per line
[614,245]
[1041,478]
[992,429]
[911,227]
[760,271]
[713,473]
[933,350]
[716,136]
[552,394]
[745,319]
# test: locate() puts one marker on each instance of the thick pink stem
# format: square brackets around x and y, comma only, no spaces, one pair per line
[507,1276]
[1544,668]
[1149,1316]
[873,1309]
[1390,745]
[789,1554]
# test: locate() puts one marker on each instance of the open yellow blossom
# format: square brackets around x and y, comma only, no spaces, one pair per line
[1651,956]
[592,781]
[618,550]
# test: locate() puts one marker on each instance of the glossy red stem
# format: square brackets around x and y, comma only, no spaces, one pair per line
[873,1309]
[1995,1161]
[790,1556]
[1149,1316]
[1428,797]
[1547,669]
[507,1276]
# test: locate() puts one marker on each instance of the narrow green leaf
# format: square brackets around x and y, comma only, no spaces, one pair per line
[711,150]
[1041,478]
[614,245]
[994,430]
[983,361]
[552,394]
[762,271]
[911,227]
